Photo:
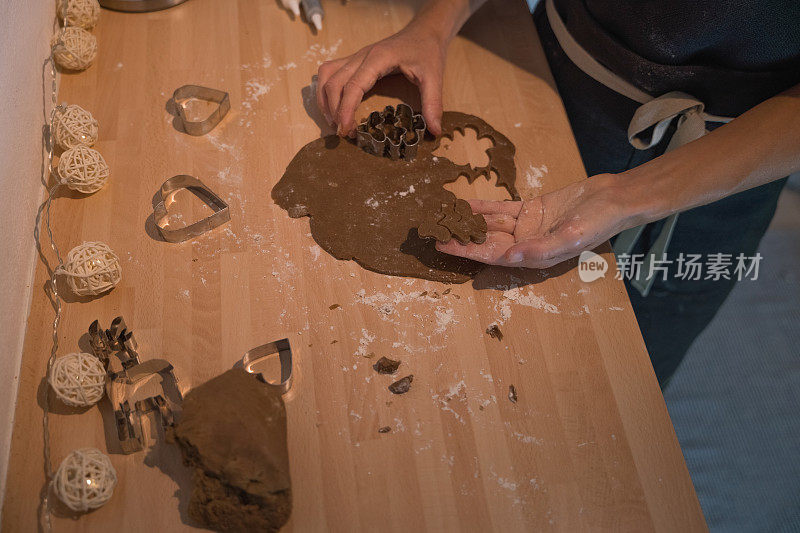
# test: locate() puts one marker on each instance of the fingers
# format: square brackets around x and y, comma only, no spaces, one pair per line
[501,249]
[539,252]
[499,222]
[376,64]
[491,251]
[345,81]
[488,207]
[324,74]
[342,83]
[337,82]
[430,88]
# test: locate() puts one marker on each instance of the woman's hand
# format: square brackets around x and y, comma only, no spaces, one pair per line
[416,51]
[551,228]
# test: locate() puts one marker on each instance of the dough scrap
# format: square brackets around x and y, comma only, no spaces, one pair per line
[232,432]
[455,220]
[367,209]
[402,386]
[494,332]
[384,365]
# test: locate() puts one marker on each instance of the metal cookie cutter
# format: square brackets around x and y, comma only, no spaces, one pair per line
[394,133]
[170,187]
[129,387]
[260,353]
[197,128]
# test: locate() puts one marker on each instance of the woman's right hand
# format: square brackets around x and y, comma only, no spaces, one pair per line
[418,52]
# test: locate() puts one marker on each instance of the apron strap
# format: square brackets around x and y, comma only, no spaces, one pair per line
[647,128]
[584,61]
[651,120]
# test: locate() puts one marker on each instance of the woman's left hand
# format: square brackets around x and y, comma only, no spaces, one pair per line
[551,228]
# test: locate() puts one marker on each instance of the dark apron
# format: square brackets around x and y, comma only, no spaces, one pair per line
[676,310]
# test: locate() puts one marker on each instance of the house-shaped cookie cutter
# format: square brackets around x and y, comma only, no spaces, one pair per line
[198,92]
[169,188]
[392,133]
[124,386]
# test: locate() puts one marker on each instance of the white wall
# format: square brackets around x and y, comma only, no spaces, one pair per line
[25,30]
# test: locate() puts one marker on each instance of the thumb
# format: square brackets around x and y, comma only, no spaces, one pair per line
[540,252]
[430,88]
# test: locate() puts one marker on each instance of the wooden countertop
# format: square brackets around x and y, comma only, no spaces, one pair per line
[588,445]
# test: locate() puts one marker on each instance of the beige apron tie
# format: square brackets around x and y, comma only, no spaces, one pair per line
[647,128]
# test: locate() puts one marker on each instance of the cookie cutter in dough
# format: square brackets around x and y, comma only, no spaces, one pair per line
[393,133]
[260,353]
[169,188]
[129,388]
[197,92]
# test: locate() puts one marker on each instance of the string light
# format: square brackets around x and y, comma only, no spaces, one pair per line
[73,47]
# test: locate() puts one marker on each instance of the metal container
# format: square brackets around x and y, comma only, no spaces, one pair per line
[138,6]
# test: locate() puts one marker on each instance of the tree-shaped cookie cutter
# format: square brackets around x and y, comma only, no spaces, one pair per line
[198,92]
[171,187]
[393,133]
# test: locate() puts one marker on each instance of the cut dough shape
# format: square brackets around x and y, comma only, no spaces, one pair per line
[367,209]
[455,220]
[431,228]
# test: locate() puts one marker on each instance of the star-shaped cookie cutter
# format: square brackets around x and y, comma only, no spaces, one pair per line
[198,92]
[393,133]
[177,183]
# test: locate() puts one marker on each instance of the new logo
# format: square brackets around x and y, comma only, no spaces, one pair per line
[591,266]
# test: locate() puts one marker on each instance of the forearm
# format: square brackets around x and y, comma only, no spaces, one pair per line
[760,146]
[444,18]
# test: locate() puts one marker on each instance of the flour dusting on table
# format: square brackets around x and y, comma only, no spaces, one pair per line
[534,175]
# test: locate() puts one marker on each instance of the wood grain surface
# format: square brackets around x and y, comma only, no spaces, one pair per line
[587,446]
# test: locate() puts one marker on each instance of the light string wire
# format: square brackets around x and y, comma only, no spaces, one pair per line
[47,172]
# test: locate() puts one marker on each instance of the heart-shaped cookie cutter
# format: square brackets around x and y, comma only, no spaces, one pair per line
[177,183]
[260,353]
[198,92]
[393,133]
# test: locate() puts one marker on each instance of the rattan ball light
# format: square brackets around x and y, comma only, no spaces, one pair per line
[85,479]
[74,48]
[91,268]
[74,126]
[83,169]
[78,379]
[81,13]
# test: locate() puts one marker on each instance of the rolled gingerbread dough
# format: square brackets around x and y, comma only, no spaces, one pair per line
[367,208]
